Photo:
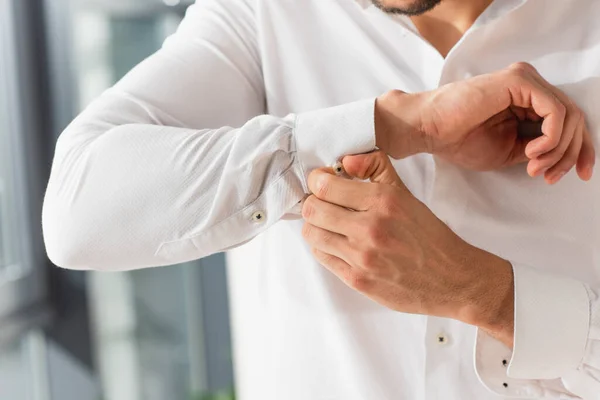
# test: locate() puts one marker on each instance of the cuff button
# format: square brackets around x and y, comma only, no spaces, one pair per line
[259,217]
[338,168]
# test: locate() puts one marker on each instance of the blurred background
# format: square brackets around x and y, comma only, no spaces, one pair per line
[155,334]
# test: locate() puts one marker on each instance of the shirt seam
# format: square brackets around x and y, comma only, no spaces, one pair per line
[301,164]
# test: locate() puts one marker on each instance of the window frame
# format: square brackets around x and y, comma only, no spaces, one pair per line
[23,285]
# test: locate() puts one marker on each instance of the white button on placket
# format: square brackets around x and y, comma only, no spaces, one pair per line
[442,339]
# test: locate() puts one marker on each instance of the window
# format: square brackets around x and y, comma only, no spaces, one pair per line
[14,372]
[5,246]
[158,333]
[7,223]
[22,261]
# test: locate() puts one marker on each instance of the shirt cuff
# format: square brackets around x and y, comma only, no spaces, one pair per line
[552,323]
[324,136]
[552,319]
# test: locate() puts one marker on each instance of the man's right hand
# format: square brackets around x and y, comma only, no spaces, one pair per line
[473,124]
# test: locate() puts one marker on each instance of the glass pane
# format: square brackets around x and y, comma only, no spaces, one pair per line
[149,324]
[15,376]
[6,184]
[21,275]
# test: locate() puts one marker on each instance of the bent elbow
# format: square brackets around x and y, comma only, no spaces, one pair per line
[64,245]
[64,231]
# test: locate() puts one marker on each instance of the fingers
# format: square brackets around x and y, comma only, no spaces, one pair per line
[568,160]
[341,191]
[573,132]
[556,152]
[375,166]
[524,114]
[587,157]
[352,277]
[527,92]
[326,241]
[328,216]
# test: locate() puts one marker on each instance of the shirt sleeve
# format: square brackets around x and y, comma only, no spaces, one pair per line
[154,172]
[556,351]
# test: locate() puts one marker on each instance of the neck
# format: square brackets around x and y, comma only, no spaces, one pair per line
[447,23]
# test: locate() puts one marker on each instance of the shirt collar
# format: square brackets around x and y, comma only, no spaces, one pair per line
[498,9]
[364,3]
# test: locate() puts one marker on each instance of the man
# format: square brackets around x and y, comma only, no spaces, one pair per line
[150,175]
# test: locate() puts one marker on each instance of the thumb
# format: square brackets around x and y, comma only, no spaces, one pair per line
[375,166]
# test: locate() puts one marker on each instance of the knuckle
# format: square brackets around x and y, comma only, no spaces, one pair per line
[560,151]
[522,66]
[560,107]
[381,157]
[365,167]
[323,185]
[555,142]
[308,209]
[386,198]
[324,258]
[357,280]
[572,110]
[389,207]
[519,70]
[367,259]
[376,233]
[307,231]
[316,253]
[325,237]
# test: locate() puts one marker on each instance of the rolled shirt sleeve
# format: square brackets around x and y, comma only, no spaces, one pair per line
[556,341]
[320,139]
[179,161]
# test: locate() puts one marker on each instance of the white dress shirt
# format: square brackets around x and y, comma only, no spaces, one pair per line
[150,175]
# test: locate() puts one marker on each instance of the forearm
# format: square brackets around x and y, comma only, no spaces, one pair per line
[489,305]
[397,123]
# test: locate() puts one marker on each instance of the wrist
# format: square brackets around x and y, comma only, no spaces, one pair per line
[397,124]
[490,303]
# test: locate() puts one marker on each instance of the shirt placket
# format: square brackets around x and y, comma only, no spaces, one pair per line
[445,342]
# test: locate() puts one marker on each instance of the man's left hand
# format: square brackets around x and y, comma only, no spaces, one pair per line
[381,241]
